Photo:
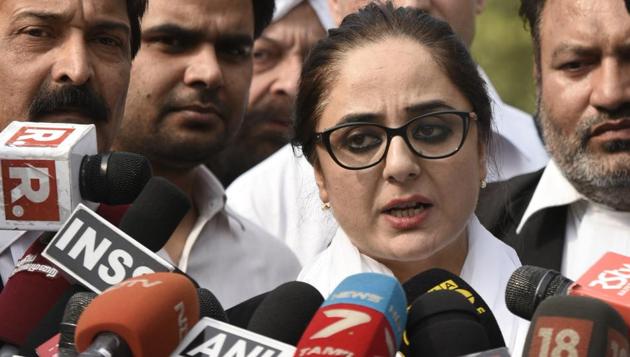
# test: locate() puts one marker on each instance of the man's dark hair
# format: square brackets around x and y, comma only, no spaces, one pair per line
[531,12]
[374,23]
[135,10]
[263,13]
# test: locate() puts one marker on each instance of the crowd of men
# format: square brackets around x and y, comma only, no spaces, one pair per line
[204,89]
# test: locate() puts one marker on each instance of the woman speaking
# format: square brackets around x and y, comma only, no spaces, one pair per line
[395,119]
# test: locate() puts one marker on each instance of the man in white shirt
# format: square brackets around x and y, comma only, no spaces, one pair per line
[280,194]
[568,215]
[187,96]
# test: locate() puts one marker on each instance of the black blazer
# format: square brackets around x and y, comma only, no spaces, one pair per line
[500,209]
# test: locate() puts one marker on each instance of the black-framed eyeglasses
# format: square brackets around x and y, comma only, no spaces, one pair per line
[356,146]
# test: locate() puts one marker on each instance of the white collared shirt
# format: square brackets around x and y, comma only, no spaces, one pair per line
[280,194]
[227,254]
[487,268]
[591,229]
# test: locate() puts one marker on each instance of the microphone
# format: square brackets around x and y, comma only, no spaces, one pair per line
[437,279]
[576,326]
[607,280]
[77,303]
[99,255]
[364,316]
[47,169]
[21,302]
[143,316]
[212,338]
[444,324]
[209,306]
[286,311]
[30,293]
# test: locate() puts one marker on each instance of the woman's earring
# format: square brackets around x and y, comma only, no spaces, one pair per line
[483,183]
[325,206]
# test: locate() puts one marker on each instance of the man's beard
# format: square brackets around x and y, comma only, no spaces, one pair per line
[602,178]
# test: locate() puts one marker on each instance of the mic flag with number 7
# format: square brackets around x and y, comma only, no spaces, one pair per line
[364,316]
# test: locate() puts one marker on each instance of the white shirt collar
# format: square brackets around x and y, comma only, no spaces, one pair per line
[208,193]
[552,190]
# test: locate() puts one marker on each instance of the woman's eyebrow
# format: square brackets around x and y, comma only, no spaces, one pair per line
[360,117]
[427,107]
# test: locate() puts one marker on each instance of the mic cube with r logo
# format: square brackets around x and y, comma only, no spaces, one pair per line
[39,164]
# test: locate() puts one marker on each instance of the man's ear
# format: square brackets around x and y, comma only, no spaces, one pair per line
[321,182]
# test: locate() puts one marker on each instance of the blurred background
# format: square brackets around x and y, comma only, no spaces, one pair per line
[502,47]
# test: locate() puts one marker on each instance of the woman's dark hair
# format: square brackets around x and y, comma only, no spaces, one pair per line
[135,11]
[371,24]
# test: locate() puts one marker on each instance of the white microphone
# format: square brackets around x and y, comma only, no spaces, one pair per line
[47,169]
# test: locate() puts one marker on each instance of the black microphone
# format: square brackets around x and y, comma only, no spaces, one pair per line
[530,285]
[77,303]
[209,306]
[576,326]
[444,324]
[286,311]
[113,178]
[439,279]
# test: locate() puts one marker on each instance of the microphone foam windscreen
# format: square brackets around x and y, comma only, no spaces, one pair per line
[577,326]
[113,178]
[156,213]
[444,323]
[286,311]
[152,313]
[440,279]
[209,306]
[529,286]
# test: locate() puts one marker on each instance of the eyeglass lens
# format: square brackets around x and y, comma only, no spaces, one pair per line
[432,136]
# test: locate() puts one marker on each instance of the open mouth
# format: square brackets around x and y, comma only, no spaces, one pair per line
[407,209]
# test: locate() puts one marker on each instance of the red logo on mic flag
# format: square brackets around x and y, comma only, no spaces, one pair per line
[39,137]
[347,330]
[553,337]
[30,190]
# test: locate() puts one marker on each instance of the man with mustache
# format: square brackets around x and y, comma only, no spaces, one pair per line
[278,55]
[288,206]
[63,61]
[187,98]
[568,215]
